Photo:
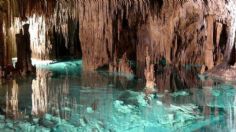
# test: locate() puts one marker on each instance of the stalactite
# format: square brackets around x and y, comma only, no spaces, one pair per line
[38,32]
[58,15]
[156,24]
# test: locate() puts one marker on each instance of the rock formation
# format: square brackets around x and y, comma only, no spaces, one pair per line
[121,66]
[24,51]
[183,32]
[149,74]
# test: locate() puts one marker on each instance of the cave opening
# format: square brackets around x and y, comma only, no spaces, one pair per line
[220,38]
[38,44]
[67,49]
[127,39]
[124,44]
[223,39]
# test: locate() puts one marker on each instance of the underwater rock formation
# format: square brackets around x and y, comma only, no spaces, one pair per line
[183,32]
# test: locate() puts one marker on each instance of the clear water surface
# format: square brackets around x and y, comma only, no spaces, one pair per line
[64,98]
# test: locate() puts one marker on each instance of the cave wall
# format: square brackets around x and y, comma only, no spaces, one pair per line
[106,32]
[182,32]
[186,33]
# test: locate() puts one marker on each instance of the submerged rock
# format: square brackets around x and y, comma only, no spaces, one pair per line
[126,109]
[47,121]
[89,110]
[180,93]
[65,128]
[137,99]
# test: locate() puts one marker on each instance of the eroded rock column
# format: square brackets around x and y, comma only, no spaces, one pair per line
[209,47]
[220,37]
[23,51]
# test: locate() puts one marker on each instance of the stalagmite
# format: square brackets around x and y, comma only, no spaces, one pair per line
[149,74]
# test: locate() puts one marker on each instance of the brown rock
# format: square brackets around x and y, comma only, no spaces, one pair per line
[209,47]
[123,65]
[149,74]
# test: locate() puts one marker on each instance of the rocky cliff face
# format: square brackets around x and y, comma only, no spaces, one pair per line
[103,32]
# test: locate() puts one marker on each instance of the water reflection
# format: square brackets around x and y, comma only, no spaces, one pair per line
[51,95]
[40,93]
[90,101]
[173,79]
[12,99]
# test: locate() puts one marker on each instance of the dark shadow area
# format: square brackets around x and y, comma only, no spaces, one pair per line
[232,59]
[127,40]
[67,50]
[156,6]
[223,39]
[59,44]
[220,45]
[24,53]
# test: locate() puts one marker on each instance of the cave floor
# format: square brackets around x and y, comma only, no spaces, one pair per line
[64,98]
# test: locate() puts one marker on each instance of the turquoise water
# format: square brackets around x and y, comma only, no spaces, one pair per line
[64,98]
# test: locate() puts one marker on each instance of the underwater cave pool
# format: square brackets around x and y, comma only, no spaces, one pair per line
[64,98]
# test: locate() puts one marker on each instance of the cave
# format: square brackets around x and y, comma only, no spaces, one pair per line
[117,65]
